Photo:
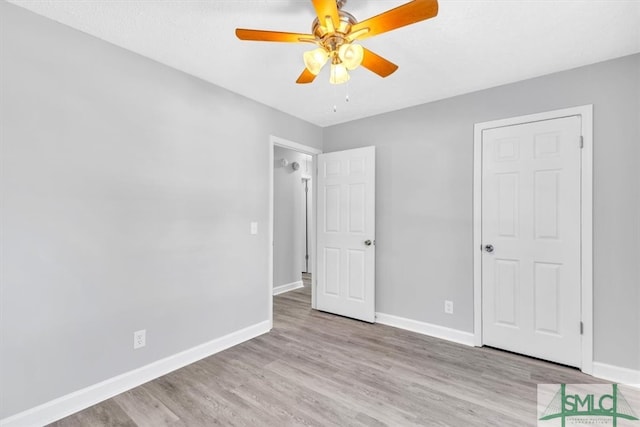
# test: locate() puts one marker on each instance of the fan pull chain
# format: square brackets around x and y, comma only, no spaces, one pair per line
[346,97]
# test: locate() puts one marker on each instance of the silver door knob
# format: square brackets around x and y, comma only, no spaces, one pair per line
[488,248]
[367,242]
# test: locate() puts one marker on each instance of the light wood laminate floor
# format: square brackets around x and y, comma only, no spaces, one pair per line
[318,369]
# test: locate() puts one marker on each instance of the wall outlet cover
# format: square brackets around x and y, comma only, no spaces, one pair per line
[448,307]
[139,339]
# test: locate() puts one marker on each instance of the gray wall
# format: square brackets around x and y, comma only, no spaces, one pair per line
[424,197]
[127,192]
[289,216]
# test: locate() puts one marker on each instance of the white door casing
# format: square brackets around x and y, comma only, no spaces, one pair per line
[306,194]
[345,267]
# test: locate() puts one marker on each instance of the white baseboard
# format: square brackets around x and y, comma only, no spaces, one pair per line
[607,372]
[442,332]
[277,290]
[81,399]
[616,374]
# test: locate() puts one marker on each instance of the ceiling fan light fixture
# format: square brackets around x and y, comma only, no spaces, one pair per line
[334,30]
[351,55]
[339,74]
[315,59]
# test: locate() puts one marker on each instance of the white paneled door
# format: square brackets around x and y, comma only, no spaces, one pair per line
[531,239]
[346,233]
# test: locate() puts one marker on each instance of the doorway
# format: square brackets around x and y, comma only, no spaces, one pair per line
[291,188]
[291,217]
[532,236]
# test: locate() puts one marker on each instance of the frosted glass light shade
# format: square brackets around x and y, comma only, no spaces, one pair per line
[315,59]
[351,55]
[339,74]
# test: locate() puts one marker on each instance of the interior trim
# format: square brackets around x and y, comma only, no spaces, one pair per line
[436,331]
[281,289]
[617,374]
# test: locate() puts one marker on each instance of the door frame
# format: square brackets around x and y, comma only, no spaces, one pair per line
[586,226]
[275,141]
[307,223]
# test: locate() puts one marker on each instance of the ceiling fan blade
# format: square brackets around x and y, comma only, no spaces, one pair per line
[377,64]
[408,13]
[306,77]
[272,36]
[326,8]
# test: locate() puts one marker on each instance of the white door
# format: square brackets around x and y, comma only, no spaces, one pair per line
[346,233]
[531,239]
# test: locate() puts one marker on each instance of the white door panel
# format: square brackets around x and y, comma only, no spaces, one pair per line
[531,217]
[346,219]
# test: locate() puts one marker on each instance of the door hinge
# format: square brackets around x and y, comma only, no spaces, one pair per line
[581,141]
[581,328]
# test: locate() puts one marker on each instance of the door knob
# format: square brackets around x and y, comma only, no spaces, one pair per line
[367,242]
[488,248]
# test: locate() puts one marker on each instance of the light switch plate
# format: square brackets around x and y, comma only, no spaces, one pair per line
[254,228]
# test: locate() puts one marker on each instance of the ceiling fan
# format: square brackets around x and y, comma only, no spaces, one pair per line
[334,31]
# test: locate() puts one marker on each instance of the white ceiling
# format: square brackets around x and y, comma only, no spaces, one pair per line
[470,45]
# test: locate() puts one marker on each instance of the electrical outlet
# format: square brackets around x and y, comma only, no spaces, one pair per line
[254,228]
[448,307]
[139,339]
